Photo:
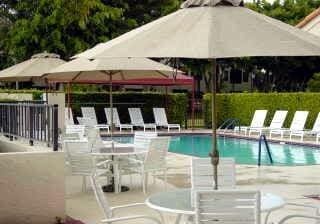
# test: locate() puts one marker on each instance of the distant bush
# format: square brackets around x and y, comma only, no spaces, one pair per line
[243,105]
[314,83]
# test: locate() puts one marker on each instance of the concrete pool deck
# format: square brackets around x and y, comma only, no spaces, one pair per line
[291,183]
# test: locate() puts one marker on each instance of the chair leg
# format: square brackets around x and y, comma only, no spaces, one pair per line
[143,176]
[165,179]
[84,183]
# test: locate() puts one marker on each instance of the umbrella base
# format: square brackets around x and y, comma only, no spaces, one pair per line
[110,188]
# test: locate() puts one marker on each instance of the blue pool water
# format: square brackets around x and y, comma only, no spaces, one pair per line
[244,151]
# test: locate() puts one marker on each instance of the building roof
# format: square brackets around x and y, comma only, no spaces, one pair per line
[309,18]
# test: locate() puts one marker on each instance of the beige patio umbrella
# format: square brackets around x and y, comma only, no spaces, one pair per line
[210,29]
[32,69]
[108,70]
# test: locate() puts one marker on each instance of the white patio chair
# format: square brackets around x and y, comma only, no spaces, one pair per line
[315,129]
[89,112]
[257,123]
[154,161]
[161,120]
[79,130]
[277,121]
[228,206]
[68,116]
[116,119]
[81,162]
[202,174]
[108,211]
[296,127]
[137,119]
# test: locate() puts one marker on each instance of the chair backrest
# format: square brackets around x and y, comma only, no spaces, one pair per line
[87,121]
[136,116]
[89,112]
[231,206]
[157,153]
[160,116]
[299,120]
[79,156]
[94,139]
[100,197]
[316,125]
[278,119]
[258,118]
[202,174]
[75,129]
[116,119]
[68,116]
[142,139]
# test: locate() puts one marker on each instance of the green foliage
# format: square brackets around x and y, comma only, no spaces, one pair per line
[36,94]
[288,11]
[314,83]
[176,111]
[67,27]
[242,106]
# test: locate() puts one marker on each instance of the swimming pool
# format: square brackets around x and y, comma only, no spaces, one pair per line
[244,151]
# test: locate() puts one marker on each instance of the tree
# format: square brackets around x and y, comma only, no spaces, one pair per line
[314,83]
[67,27]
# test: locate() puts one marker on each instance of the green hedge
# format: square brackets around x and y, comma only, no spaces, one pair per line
[243,105]
[36,94]
[176,111]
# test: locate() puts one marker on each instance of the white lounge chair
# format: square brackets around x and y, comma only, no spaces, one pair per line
[137,119]
[315,129]
[257,123]
[228,206]
[278,120]
[68,116]
[89,112]
[79,130]
[296,127]
[161,120]
[154,161]
[109,212]
[116,119]
[202,174]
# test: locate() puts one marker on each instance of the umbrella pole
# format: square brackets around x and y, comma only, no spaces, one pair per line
[192,104]
[215,153]
[111,109]
[68,92]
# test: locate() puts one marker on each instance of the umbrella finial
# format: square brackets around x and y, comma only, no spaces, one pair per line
[210,3]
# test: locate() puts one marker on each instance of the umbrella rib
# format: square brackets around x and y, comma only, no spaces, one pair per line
[161,73]
[76,76]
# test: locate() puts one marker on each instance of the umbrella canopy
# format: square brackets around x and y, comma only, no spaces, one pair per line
[31,69]
[210,29]
[82,70]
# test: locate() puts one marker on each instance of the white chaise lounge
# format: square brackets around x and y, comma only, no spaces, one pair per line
[161,120]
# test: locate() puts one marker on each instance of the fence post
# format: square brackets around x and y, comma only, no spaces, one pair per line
[55,128]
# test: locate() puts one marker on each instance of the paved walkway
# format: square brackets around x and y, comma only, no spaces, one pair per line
[292,183]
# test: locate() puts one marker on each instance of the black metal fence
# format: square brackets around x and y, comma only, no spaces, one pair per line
[32,121]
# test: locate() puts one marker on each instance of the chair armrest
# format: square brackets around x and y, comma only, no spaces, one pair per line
[135,160]
[283,220]
[105,162]
[131,218]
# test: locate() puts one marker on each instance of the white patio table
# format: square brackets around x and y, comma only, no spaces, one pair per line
[179,202]
[119,150]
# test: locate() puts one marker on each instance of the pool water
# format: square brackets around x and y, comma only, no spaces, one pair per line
[244,151]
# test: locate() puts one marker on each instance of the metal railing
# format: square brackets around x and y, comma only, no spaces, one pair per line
[32,121]
[230,123]
[264,139]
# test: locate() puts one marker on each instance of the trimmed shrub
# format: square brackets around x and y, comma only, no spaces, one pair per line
[243,105]
[176,111]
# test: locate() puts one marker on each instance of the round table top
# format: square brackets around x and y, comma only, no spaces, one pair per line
[179,202]
[119,149]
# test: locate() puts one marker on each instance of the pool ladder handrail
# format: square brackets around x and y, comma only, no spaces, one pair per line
[228,123]
[264,139]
